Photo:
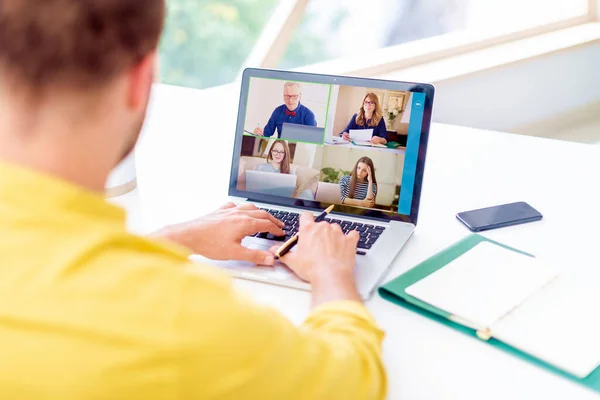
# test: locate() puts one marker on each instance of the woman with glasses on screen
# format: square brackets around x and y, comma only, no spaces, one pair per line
[370,116]
[278,159]
[360,188]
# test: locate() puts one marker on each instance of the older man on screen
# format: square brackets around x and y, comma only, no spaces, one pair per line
[291,111]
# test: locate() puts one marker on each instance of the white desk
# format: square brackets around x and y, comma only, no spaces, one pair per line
[181,155]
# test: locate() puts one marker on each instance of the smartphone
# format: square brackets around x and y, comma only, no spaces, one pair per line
[499,216]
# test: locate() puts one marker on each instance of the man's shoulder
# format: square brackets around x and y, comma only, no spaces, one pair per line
[279,109]
[306,110]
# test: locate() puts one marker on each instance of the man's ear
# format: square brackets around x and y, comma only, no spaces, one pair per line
[141,78]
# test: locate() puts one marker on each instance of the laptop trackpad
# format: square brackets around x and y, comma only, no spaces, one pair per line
[257,246]
[279,270]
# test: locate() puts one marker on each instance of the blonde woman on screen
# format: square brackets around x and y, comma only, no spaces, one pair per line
[369,116]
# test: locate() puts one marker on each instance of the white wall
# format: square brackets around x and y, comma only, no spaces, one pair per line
[267,94]
[305,154]
[405,119]
[333,101]
[349,100]
[522,93]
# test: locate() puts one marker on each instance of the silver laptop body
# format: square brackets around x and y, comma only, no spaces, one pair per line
[390,230]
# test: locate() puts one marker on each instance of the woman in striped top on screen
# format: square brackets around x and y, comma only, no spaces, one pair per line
[360,188]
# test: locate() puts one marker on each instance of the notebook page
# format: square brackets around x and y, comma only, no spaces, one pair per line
[560,325]
[483,284]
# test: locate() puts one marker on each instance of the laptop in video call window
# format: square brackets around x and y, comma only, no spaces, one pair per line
[302,133]
[384,211]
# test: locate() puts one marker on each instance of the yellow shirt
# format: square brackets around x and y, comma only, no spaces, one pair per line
[89,311]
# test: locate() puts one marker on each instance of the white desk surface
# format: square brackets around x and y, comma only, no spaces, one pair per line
[183,164]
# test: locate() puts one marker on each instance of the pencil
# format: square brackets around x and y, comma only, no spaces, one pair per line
[289,245]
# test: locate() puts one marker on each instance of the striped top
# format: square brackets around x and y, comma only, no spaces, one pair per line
[360,193]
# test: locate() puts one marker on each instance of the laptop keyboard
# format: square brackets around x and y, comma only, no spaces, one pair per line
[369,234]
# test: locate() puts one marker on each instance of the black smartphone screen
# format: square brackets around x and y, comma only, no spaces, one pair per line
[499,216]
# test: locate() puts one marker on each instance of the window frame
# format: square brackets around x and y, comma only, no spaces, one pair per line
[279,30]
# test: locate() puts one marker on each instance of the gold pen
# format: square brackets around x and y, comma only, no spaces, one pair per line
[289,245]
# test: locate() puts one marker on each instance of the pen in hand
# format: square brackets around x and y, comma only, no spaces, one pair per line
[289,245]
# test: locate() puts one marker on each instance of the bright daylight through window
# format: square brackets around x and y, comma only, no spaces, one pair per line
[207,42]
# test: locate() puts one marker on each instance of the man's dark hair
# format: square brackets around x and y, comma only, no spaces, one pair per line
[78,43]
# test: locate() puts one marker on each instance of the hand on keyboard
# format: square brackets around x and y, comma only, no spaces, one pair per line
[369,234]
[322,250]
[219,235]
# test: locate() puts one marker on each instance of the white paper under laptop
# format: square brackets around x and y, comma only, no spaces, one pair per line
[361,135]
[520,301]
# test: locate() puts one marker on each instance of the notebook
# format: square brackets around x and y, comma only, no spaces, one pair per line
[521,301]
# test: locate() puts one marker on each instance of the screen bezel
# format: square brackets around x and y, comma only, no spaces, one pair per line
[427,89]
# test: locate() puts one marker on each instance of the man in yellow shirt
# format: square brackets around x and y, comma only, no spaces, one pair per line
[89,311]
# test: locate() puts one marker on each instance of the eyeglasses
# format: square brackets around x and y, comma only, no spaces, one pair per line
[277,152]
[369,103]
[291,97]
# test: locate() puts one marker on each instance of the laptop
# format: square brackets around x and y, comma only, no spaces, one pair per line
[274,184]
[302,133]
[384,228]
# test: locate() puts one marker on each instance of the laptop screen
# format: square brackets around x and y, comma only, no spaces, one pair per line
[356,144]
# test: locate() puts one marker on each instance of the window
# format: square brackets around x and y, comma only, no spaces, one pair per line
[354,28]
[206,42]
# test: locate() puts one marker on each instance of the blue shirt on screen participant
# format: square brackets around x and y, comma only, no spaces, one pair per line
[379,130]
[301,116]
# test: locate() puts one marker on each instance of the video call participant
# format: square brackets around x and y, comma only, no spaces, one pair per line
[360,188]
[292,111]
[370,116]
[278,159]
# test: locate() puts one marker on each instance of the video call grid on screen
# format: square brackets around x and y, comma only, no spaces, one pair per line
[328,168]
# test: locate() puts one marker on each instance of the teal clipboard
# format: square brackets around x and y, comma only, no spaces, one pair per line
[394,291]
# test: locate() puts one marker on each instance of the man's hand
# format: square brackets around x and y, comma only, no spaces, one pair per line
[325,257]
[259,131]
[218,235]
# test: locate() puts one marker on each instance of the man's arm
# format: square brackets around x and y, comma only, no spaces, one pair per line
[351,125]
[270,127]
[310,119]
[381,130]
[232,348]
[219,235]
